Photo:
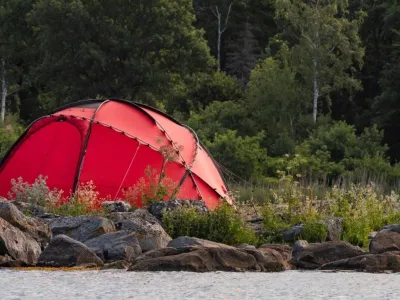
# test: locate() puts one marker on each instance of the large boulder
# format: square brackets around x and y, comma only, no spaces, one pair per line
[147,228]
[185,241]
[207,259]
[63,251]
[385,241]
[312,256]
[29,209]
[392,227]
[17,245]
[81,228]
[138,213]
[115,246]
[290,235]
[389,261]
[334,227]
[39,231]
[284,250]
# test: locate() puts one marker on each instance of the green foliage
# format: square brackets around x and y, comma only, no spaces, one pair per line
[217,118]
[327,47]
[313,232]
[221,225]
[276,104]
[273,224]
[10,131]
[131,49]
[242,155]
[363,211]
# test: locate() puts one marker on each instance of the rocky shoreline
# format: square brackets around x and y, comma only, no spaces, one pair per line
[136,241]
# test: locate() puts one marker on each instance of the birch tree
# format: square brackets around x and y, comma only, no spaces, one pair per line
[222,21]
[3,90]
[327,46]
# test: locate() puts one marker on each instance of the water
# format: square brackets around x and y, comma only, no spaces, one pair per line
[180,285]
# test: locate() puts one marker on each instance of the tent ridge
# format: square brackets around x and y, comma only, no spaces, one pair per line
[84,148]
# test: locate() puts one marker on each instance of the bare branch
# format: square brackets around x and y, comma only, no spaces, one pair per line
[227,16]
[215,12]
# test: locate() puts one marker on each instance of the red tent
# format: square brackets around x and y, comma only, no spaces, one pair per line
[112,142]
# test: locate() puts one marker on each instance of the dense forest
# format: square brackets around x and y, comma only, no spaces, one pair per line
[308,88]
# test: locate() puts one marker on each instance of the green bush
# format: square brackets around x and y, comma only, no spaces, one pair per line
[223,225]
[363,210]
[242,155]
[314,232]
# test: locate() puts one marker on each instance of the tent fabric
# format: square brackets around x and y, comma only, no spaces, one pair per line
[112,142]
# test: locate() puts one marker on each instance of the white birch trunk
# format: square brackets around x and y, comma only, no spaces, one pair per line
[3,90]
[219,41]
[316,90]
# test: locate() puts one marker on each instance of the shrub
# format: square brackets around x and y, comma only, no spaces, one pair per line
[363,211]
[37,193]
[151,188]
[84,201]
[223,225]
[314,232]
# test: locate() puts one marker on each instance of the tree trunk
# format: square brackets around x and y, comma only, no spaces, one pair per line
[316,90]
[219,42]
[3,90]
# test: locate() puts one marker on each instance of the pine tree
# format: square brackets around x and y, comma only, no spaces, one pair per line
[243,55]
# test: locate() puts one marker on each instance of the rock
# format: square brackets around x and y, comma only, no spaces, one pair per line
[207,259]
[284,250]
[334,226]
[17,245]
[389,261]
[245,246]
[81,228]
[185,241]
[148,230]
[116,206]
[37,230]
[312,256]
[385,241]
[392,227]
[299,246]
[113,246]
[290,235]
[63,251]
[13,264]
[120,264]
[127,216]
[158,209]
[29,209]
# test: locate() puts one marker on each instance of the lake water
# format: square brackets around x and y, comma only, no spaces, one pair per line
[180,285]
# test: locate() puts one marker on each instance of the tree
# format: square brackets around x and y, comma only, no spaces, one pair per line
[276,104]
[137,50]
[221,29]
[243,55]
[242,156]
[19,53]
[3,90]
[328,47]
[386,106]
